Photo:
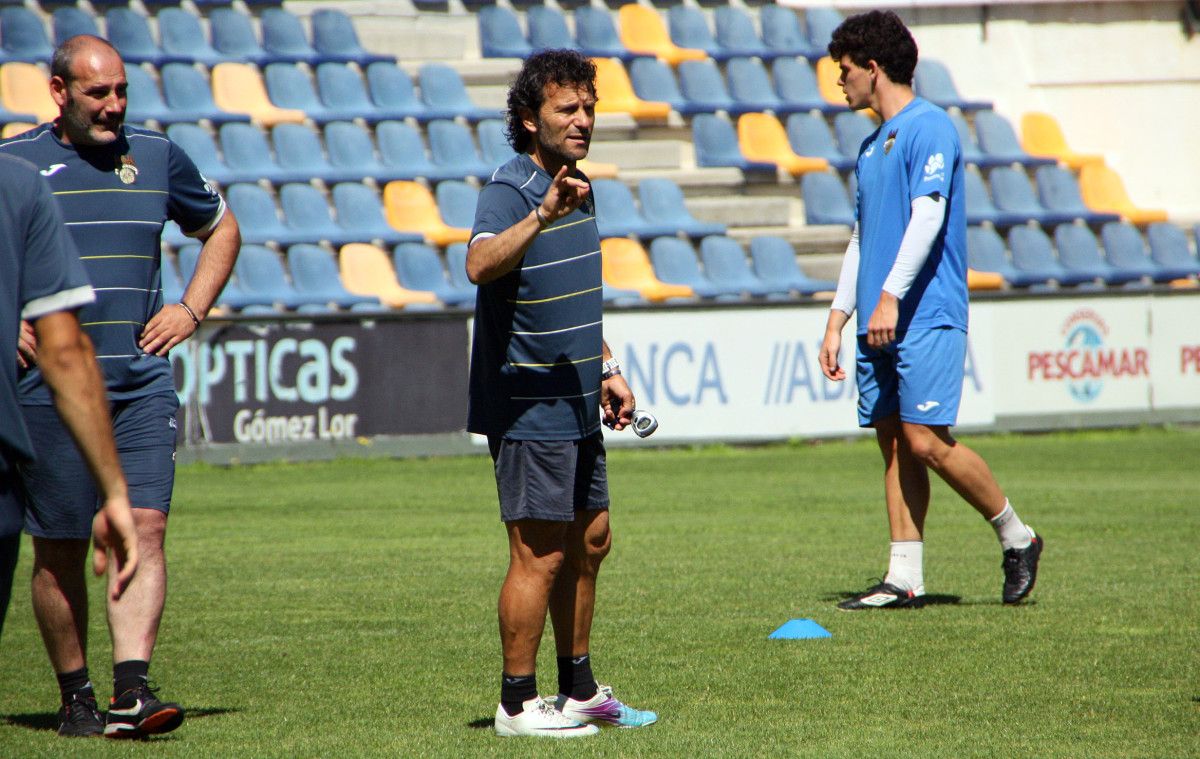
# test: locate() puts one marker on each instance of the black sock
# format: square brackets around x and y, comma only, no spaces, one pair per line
[575,677]
[73,682]
[10,549]
[128,675]
[515,690]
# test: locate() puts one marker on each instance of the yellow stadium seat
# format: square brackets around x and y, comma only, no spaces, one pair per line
[615,92]
[642,31]
[411,207]
[1184,284]
[1103,190]
[13,128]
[828,74]
[26,89]
[239,88]
[1041,136]
[367,270]
[597,170]
[761,138]
[627,266]
[984,280]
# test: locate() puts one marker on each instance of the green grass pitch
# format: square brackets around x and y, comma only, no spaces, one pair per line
[348,609]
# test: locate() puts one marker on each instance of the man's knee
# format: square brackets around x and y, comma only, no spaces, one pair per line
[929,445]
[151,525]
[58,555]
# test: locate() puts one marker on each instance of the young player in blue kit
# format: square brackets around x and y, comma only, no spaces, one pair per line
[906,270]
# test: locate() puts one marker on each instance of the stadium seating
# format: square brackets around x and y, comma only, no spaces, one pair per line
[143,100]
[456,202]
[187,91]
[663,205]
[548,29]
[825,200]
[298,151]
[410,207]
[1126,251]
[1042,136]
[783,34]
[627,267]
[932,81]
[1058,191]
[419,267]
[360,211]
[69,21]
[1169,249]
[689,30]
[172,285]
[763,139]
[315,277]
[199,146]
[284,40]
[1012,193]
[403,152]
[1102,190]
[182,37]
[751,89]
[1079,252]
[828,73]
[456,265]
[999,142]
[653,80]
[392,90]
[797,86]
[726,266]
[366,270]
[245,147]
[618,216]
[258,218]
[704,88]
[821,23]
[716,144]
[1033,256]
[231,296]
[493,142]
[442,91]
[979,205]
[14,128]
[675,263]
[238,88]
[351,150]
[736,36]
[500,34]
[289,87]
[23,36]
[453,150]
[233,36]
[985,253]
[809,135]
[971,151]
[775,264]
[597,36]
[341,90]
[25,91]
[642,31]
[129,33]
[307,212]
[334,38]
[615,93]
[260,275]
[851,130]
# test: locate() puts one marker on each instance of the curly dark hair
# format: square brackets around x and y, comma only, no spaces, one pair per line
[878,36]
[562,67]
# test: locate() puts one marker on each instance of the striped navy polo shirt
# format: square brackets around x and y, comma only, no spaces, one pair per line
[535,357]
[116,227]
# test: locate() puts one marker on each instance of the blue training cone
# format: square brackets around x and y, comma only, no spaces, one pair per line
[800,628]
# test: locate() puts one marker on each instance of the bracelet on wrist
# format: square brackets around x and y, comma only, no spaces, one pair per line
[190,312]
[543,222]
[609,369]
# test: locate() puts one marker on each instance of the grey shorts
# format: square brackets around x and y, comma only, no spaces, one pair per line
[549,479]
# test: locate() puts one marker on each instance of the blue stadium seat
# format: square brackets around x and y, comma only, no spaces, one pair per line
[617,214]
[403,152]
[392,91]
[783,34]
[985,252]
[453,150]
[979,204]
[258,218]
[189,94]
[231,297]
[796,85]
[199,146]
[1058,190]
[1079,252]
[334,38]
[172,285]
[689,28]
[260,275]
[419,267]
[24,37]
[999,142]
[821,22]
[69,21]
[675,263]
[809,135]
[663,204]
[315,276]
[351,149]
[972,153]
[717,145]
[1033,256]
[456,264]
[852,129]
[1011,192]
[144,102]
[233,36]
[182,36]
[725,265]
[284,39]
[736,35]
[597,34]
[456,202]
[775,263]
[500,34]
[298,150]
[825,200]
[341,89]
[172,236]
[493,142]
[654,81]
[704,88]
[933,82]
[1125,250]
[129,33]
[360,211]
[751,88]
[306,211]
[442,90]
[288,86]
[1169,249]
[548,29]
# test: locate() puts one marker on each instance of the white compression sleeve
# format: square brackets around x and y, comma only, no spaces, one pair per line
[846,295]
[928,214]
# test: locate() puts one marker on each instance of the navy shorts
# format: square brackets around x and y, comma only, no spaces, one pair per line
[57,488]
[549,479]
[919,376]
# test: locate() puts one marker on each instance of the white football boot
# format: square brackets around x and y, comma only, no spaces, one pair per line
[540,718]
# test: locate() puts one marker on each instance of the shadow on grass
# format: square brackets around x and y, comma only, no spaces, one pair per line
[49,720]
[484,723]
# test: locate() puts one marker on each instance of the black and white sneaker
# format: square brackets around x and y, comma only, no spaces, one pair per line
[80,715]
[1020,570]
[884,596]
[137,713]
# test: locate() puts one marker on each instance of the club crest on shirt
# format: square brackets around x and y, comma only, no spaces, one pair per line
[127,171]
[890,141]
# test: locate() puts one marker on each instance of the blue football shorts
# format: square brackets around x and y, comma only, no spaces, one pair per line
[549,479]
[919,376]
[59,494]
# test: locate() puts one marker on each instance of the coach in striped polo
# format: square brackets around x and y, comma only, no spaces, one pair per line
[116,186]
[541,375]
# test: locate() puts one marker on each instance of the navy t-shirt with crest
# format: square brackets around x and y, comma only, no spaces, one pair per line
[116,224]
[536,352]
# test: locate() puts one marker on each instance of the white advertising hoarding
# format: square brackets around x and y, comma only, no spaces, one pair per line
[1175,352]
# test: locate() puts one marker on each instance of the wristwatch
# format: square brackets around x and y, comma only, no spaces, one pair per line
[609,369]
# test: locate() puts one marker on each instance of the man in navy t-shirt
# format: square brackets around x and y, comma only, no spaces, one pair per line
[116,186]
[906,271]
[541,375]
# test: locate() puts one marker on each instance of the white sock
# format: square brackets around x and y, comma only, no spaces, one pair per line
[906,567]
[1010,529]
